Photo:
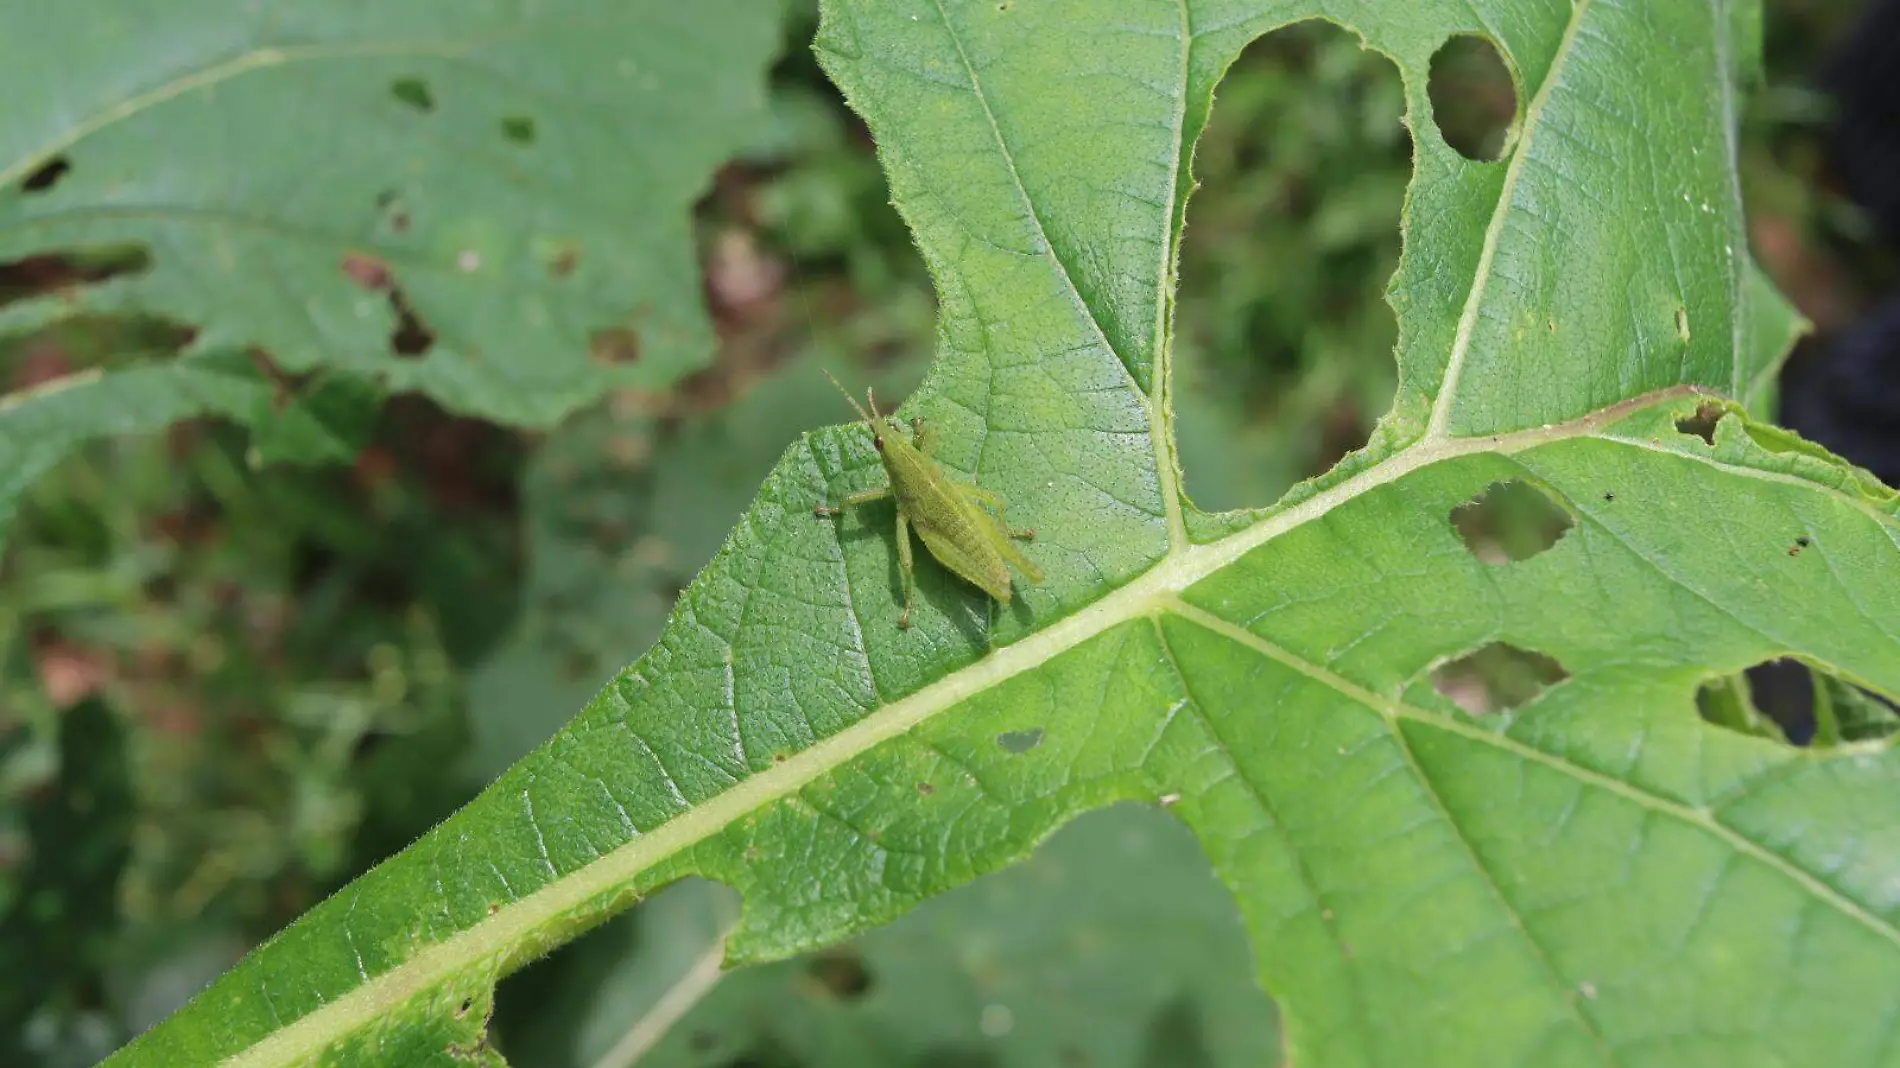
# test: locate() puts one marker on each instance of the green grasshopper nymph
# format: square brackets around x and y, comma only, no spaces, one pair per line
[949,516]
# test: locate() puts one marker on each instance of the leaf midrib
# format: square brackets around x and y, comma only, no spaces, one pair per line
[1153,593]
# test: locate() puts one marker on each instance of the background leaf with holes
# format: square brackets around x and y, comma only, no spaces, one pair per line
[1593,876]
[500,218]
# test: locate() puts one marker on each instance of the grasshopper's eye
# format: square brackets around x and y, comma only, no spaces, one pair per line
[877,441]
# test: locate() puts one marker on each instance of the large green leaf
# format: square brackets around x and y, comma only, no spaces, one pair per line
[1597,876]
[489,203]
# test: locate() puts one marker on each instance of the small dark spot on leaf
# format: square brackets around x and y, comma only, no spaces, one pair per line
[1682,325]
[385,198]
[1701,423]
[1020,741]
[1799,544]
[413,92]
[410,338]
[47,175]
[399,221]
[562,263]
[615,346]
[925,789]
[366,271]
[519,129]
[462,1009]
[1499,677]
[493,908]
[1510,521]
[778,758]
[841,974]
[1609,496]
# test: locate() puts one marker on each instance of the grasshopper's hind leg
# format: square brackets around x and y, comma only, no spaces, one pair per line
[904,567]
[996,503]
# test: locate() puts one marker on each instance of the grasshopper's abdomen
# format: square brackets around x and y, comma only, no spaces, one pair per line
[958,533]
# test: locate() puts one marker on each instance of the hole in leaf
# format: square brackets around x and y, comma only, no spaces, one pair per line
[1020,741]
[410,338]
[47,175]
[615,346]
[1498,678]
[1787,700]
[1474,100]
[1701,423]
[413,92]
[1510,521]
[841,975]
[519,129]
[35,276]
[1280,373]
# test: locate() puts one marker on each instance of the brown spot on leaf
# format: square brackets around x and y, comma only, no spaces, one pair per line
[613,347]
[366,271]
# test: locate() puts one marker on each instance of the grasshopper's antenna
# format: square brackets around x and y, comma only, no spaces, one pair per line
[852,401]
[871,399]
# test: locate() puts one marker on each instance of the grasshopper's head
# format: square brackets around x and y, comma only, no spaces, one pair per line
[874,421]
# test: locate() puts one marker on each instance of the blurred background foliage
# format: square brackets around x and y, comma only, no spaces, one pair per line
[224,690]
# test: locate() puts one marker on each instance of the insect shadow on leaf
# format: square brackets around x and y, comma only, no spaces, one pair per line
[955,521]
